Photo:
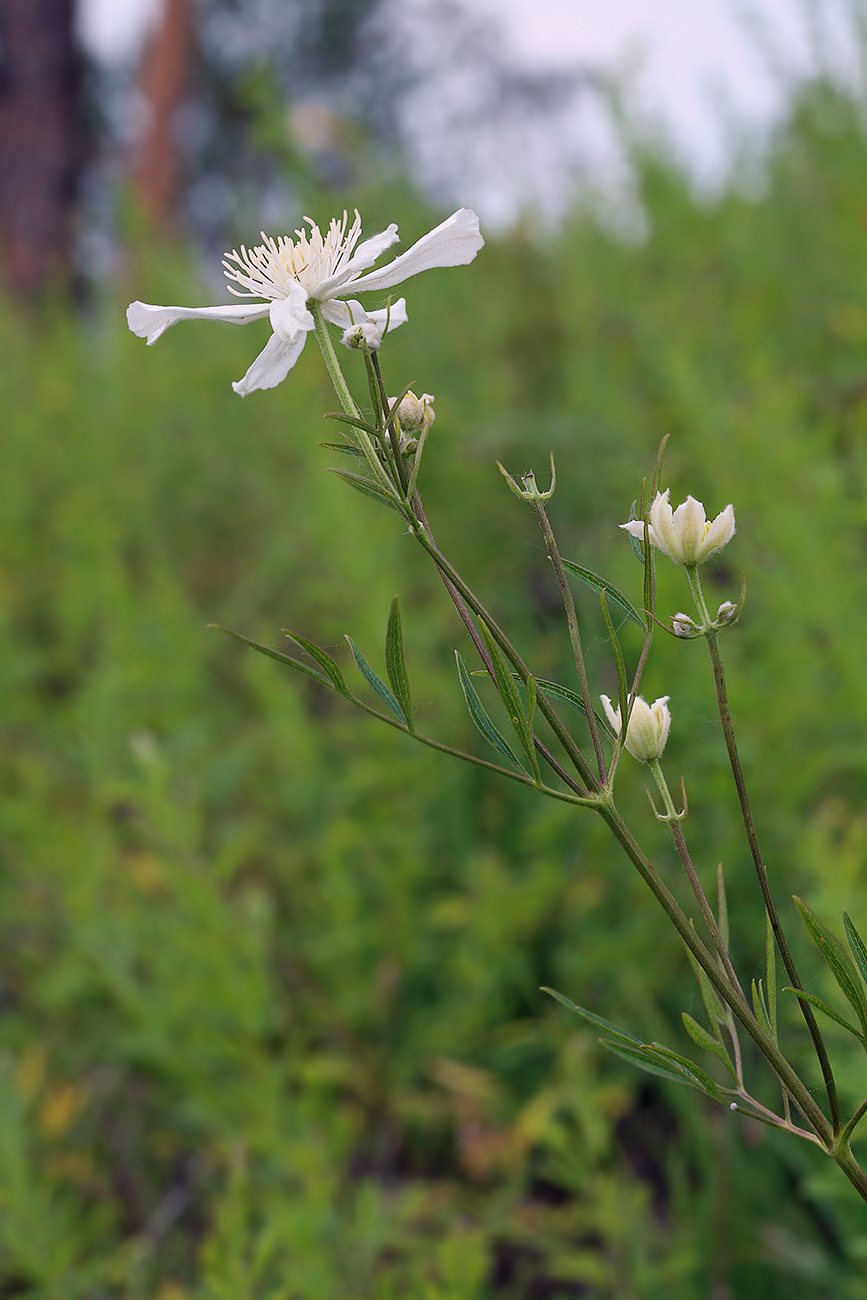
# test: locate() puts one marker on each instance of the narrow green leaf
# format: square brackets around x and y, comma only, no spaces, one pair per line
[395,662]
[838,960]
[355,421]
[345,447]
[480,716]
[713,1004]
[856,943]
[614,595]
[567,695]
[368,488]
[803,996]
[531,700]
[759,1007]
[668,1065]
[319,656]
[275,654]
[700,1036]
[375,682]
[505,683]
[620,1034]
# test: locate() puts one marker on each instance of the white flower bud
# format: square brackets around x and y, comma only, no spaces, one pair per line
[367,331]
[415,412]
[726,613]
[649,725]
[683,625]
[685,535]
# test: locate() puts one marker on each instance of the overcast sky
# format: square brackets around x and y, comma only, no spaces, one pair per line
[686,59]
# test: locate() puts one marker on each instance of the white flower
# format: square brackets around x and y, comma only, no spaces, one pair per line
[685,535]
[649,725]
[289,274]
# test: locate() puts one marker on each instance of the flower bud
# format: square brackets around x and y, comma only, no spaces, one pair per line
[727,613]
[367,331]
[685,535]
[649,725]
[415,412]
[683,625]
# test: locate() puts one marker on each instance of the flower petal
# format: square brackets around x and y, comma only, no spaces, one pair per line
[612,714]
[663,533]
[350,312]
[452,243]
[272,364]
[689,522]
[150,322]
[719,534]
[289,316]
[363,257]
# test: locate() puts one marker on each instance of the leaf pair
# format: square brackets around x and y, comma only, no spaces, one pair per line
[851,976]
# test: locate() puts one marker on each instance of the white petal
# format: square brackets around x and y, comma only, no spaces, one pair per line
[289,316]
[351,312]
[689,525]
[363,257]
[453,243]
[662,524]
[720,533]
[150,322]
[612,714]
[272,364]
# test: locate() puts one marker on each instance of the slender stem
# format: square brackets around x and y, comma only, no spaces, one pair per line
[704,905]
[544,705]
[574,631]
[755,849]
[729,993]
[392,428]
[853,1122]
[332,365]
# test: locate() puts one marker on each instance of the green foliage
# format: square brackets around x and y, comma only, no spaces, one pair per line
[269,973]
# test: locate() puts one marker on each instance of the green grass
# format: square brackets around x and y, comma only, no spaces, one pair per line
[270,1020]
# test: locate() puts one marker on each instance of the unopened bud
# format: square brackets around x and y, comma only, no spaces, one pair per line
[726,613]
[683,625]
[366,332]
[415,412]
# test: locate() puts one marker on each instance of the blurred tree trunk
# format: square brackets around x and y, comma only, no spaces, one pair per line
[41,141]
[163,82]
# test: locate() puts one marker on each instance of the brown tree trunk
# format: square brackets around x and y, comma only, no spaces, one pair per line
[41,136]
[164,81]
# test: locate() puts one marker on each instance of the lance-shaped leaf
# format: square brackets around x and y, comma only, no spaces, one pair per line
[376,683]
[480,717]
[822,1006]
[345,448]
[716,1048]
[668,1065]
[355,421]
[367,487]
[395,662]
[510,696]
[856,943]
[838,960]
[325,662]
[333,680]
[760,1008]
[614,595]
[620,1035]
[713,1003]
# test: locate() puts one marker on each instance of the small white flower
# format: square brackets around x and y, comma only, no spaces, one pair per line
[289,274]
[649,725]
[685,535]
[366,332]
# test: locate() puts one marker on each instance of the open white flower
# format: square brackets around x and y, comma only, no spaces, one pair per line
[649,725]
[327,269]
[685,535]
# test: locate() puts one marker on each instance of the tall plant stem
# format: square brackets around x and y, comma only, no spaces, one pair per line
[550,715]
[574,631]
[755,848]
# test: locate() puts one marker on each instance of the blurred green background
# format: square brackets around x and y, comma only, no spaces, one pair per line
[270,1019]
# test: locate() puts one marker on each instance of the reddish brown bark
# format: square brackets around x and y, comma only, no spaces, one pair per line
[164,81]
[40,141]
